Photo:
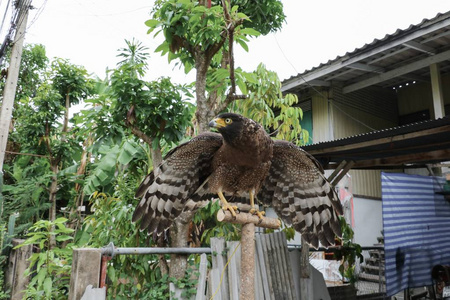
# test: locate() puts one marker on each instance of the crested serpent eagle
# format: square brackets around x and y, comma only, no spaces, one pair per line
[241,161]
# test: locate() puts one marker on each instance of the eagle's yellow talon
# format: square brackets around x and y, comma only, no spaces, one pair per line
[255,211]
[226,205]
[232,209]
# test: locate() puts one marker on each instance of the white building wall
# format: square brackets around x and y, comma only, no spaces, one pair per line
[368,221]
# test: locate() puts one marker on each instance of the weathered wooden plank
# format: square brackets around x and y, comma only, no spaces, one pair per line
[259,292]
[203,272]
[219,272]
[273,268]
[287,266]
[277,264]
[281,265]
[234,268]
[265,267]
[214,285]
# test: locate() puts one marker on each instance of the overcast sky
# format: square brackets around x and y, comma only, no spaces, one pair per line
[89,32]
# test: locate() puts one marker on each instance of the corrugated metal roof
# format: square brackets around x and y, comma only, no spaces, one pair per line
[421,142]
[405,46]
[383,133]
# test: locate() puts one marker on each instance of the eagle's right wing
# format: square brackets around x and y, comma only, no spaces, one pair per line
[183,170]
[301,195]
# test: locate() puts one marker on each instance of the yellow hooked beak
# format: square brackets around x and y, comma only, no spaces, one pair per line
[217,123]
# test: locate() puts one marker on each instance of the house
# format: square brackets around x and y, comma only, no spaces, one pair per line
[380,107]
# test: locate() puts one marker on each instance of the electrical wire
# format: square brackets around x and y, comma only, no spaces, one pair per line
[38,14]
[4,15]
[307,83]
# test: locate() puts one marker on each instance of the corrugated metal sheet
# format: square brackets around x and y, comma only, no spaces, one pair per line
[389,132]
[375,101]
[366,183]
[320,117]
[388,53]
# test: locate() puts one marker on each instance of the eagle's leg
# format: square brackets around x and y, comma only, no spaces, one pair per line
[254,210]
[226,205]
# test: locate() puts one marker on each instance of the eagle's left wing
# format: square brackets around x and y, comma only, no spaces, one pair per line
[182,172]
[301,195]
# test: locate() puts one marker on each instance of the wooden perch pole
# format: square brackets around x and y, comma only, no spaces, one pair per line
[245,218]
[248,221]
[247,291]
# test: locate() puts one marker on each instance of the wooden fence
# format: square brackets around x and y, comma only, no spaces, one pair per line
[273,273]
[277,275]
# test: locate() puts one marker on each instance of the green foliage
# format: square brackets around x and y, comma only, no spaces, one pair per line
[70,80]
[26,191]
[110,222]
[266,105]
[134,54]
[49,268]
[190,28]
[348,252]
[264,16]
[96,120]
[50,146]
[32,69]
[4,294]
[111,158]
[157,108]
[207,225]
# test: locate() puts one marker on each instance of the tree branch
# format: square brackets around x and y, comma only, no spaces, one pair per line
[137,132]
[230,98]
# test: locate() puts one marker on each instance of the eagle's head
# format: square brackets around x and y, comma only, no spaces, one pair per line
[229,125]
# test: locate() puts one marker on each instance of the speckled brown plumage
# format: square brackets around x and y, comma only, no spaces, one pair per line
[239,160]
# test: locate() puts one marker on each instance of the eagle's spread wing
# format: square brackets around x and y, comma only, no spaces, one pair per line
[165,195]
[301,195]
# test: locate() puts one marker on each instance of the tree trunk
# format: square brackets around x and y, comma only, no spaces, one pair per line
[66,114]
[179,234]
[205,111]
[304,270]
[52,200]
[156,156]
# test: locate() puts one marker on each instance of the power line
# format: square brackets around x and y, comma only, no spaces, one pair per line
[308,84]
[4,15]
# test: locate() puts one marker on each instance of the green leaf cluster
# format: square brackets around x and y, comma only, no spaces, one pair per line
[266,104]
[159,109]
[207,225]
[191,29]
[4,294]
[264,16]
[26,192]
[128,276]
[348,252]
[49,268]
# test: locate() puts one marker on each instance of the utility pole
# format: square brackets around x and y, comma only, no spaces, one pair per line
[9,92]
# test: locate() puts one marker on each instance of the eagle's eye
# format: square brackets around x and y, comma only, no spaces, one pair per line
[228,121]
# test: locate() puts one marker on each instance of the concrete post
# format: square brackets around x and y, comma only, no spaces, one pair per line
[9,92]
[18,263]
[85,271]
